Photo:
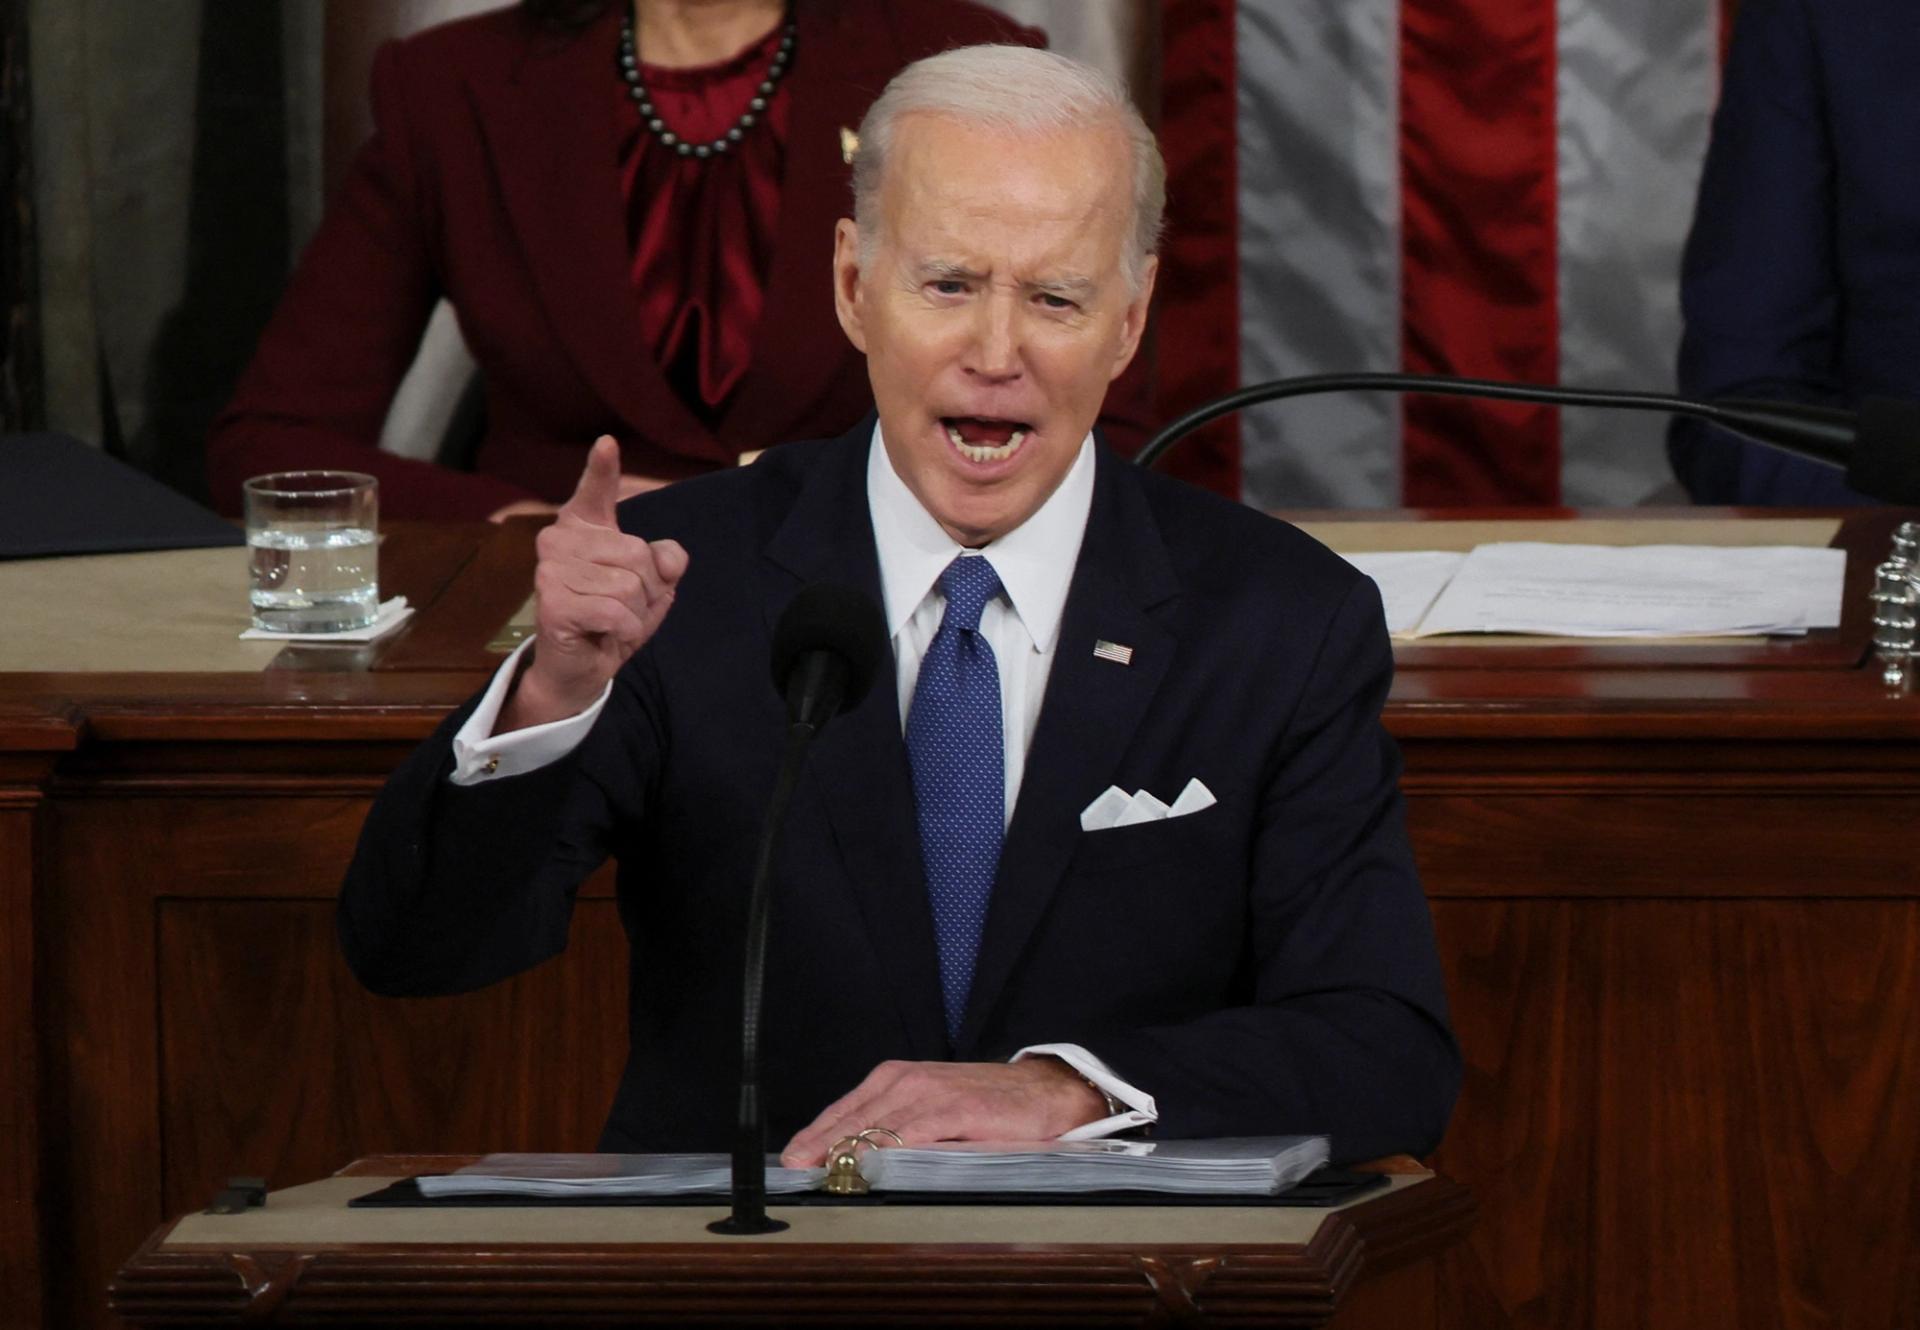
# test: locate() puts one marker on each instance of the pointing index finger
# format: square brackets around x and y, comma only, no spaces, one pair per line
[598,492]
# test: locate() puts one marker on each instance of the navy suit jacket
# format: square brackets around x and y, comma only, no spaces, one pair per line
[1802,274]
[1266,965]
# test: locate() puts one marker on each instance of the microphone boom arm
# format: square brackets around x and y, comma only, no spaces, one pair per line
[1820,433]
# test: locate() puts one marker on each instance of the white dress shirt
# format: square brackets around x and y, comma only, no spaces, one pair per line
[1035,564]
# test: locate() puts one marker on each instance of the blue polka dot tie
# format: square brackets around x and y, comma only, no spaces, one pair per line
[959,775]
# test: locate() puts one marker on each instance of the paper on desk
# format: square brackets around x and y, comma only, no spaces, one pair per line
[584,1175]
[1408,581]
[390,615]
[1640,590]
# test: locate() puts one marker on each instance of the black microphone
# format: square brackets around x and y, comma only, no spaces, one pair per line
[1878,446]
[826,649]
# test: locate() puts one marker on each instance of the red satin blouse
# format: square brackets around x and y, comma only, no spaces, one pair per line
[701,233]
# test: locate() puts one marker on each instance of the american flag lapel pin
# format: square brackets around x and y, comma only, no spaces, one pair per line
[1113,651]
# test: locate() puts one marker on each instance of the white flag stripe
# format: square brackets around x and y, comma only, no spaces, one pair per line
[1636,85]
[1108,36]
[1319,245]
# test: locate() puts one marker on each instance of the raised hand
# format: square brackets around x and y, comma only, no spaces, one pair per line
[601,595]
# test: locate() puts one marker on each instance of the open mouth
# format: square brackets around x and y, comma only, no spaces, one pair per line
[979,439]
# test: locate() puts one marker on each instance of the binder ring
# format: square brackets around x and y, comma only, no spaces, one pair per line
[843,1168]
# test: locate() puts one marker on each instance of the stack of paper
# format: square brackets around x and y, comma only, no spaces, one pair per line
[1408,581]
[583,1175]
[1248,1166]
[1253,1166]
[1643,591]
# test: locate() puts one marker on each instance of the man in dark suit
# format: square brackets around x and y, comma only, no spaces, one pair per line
[1802,274]
[1123,842]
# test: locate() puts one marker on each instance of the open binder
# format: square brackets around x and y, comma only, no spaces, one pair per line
[1255,1171]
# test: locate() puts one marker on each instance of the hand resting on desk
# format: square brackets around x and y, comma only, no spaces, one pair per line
[1035,1099]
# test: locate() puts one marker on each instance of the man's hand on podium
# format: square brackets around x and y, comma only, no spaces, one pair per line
[1035,1099]
[601,594]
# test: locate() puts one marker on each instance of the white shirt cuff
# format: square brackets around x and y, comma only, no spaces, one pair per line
[1140,1109]
[479,755]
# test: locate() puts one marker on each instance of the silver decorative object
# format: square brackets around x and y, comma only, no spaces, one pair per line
[1895,596]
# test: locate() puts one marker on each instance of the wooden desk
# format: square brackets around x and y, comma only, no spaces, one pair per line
[1675,894]
[307,1257]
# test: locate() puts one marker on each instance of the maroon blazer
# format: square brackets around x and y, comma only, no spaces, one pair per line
[492,179]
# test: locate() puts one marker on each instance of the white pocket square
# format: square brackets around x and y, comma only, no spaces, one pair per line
[1116,808]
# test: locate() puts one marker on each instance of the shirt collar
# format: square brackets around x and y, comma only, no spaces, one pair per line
[1034,560]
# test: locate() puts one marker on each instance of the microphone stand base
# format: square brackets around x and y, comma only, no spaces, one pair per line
[737,1226]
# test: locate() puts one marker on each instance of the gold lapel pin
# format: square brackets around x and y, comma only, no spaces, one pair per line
[1113,651]
[849,145]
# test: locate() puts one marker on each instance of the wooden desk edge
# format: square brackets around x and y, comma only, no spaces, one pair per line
[1277,1284]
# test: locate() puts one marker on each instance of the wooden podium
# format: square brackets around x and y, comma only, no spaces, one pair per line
[306,1258]
[1675,889]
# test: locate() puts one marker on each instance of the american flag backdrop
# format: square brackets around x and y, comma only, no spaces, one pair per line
[1493,188]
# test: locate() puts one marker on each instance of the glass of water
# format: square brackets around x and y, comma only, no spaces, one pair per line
[314,567]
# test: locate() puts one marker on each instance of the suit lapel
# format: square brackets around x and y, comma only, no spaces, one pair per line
[859,763]
[1091,710]
[554,149]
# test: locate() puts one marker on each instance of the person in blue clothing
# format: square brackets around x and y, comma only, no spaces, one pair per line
[1801,279]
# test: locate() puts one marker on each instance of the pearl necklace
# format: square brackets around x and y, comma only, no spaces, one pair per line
[630,71]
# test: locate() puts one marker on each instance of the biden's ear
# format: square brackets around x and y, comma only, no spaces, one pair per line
[846,282]
[1134,325]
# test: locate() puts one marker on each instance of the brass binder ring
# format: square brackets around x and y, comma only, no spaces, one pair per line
[843,1161]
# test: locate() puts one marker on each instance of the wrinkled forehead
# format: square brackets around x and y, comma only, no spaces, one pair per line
[950,182]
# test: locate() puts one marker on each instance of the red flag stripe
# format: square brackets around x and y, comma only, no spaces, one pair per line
[1479,247]
[1197,302]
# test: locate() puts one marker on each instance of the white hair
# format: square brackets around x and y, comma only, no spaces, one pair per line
[1014,90]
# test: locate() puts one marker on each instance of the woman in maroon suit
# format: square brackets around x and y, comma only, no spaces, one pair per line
[636,247]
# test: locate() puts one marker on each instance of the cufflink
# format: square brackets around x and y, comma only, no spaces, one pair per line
[1114,1107]
[493,765]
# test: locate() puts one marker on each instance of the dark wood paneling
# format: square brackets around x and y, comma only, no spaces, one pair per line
[31,740]
[1686,1114]
[278,1064]
[1521,983]
[1602,843]
[103,1176]
[1779,1107]
[20,1083]
[210,1027]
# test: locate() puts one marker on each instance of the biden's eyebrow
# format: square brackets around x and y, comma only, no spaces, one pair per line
[945,270]
[1077,287]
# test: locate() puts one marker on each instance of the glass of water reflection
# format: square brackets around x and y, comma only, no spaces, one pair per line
[314,567]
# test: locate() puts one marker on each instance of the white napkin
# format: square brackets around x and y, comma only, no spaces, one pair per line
[1116,808]
[391,614]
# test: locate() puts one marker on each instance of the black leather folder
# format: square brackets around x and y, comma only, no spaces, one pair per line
[59,496]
